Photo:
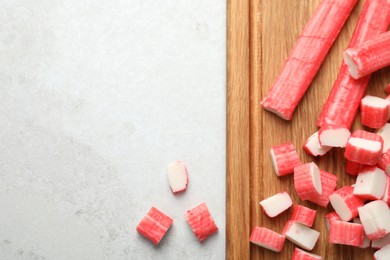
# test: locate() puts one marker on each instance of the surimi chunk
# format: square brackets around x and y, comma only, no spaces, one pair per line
[332,216]
[381,242]
[328,184]
[345,203]
[346,233]
[307,181]
[301,235]
[384,132]
[177,176]
[300,254]
[334,135]
[267,238]
[366,242]
[313,147]
[201,222]
[374,111]
[353,168]
[303,215]
[284,158]
[384,162]
[375,217]
[383,253]
[364,147]
[370,183]
[276,204]
[386,195]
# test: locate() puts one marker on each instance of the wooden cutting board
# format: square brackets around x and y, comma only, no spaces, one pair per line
[260,35]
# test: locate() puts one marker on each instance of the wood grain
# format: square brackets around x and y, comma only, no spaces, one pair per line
[274,26]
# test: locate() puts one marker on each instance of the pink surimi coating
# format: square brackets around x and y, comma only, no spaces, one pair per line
[375,217]
[307,56]
[364,147]
[353,168]
[343,102]
[383,253]
[284,158]
[374,111]
[384,162]
[366,242]
[313,147]
[332,216]
[333,135]
[276,204]
[345,203]
[387,89]
[307,181]
[346,233]
[369,56]
[370,183]
[266,238]
[386,195]
[300,254]
[154,225]
[201,222]
[329,183]
[303,215]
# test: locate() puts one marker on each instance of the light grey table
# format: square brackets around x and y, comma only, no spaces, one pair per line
[97,97]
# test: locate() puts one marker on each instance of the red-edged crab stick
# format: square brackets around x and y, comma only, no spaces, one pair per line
[344,99]
[307,56]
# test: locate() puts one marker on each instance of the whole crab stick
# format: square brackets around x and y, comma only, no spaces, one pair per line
[369,56]
[344,99]
[307,56]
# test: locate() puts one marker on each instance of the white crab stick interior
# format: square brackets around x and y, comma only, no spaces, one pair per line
[313,145]
[352,67]
[316,177]
[302,235]
[372,101]
[384,132]
[365,144]
[370,184]
[375,217]
[381,242]
[335,137]
[276,204]
[177,176]
[383,253]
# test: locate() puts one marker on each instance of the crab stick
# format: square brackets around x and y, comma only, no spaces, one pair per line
[384,162]
[346,233]
[303,215]
[328,184]
[375,217]
[386,195]
[307,56]
[366,242]
[307,181]
[267,238]
[284,158]
[353,168]
[301,235]
[177,176]
[201,222]
[370,183]
[276,204]
[345,203]
[332,216]
[300,254]
[364,147]
[344,99]
[334,135]
[383,253]
[384,132]
[374,111]
[313,147]
[369,56]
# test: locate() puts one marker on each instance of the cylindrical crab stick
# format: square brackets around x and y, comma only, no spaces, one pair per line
[300,254]
[301,235]
[284,158]
[386,196]
[307,181]
[334,135]
[344,99]
[346,233]
[353,168]
[345,203]
[307,56]
[370,183]
[375,217]
[383,253]
[303,215]
[384,132]
[374,111]
[328,184]
[276,204]
[366,242]
[364,147]
[369,56]
[313,147]
[384,162]
[332,216]
[267,238]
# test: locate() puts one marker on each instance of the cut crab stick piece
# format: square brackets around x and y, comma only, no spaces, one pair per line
[369,56]
[366,242]
[332,216]
[266,238]
[374,111]
[177,176]
[307,181]
[353,168]
[370,183]
[307,56]
[201,222]
[334,135]
[346,233]
[386,195]
[303,215]
[300,254]
[381,242]
[343,102]
[154,225]
[313,147]
[384,162]
[383,253]
[345,203]
[384,132]
[387,89]
[276,204]
[328,184]
[375,217]
[284,158]
[301,235]
[364,147]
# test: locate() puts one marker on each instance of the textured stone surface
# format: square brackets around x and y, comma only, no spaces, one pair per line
[96,99]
